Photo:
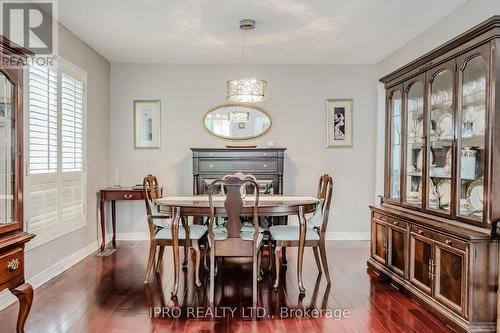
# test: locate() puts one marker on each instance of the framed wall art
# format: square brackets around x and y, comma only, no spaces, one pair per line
[147,124]
[339,123]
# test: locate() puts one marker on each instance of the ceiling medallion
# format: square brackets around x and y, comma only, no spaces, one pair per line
[249,89]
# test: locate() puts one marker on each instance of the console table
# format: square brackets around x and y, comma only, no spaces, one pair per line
[112,194]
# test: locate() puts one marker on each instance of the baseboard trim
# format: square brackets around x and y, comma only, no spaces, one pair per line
[364,236]
[329,236]
[6,298]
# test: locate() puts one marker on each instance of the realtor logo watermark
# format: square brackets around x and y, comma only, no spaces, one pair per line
[246,313]
[30,25]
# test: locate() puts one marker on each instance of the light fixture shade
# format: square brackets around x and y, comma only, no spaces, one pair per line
[246,90]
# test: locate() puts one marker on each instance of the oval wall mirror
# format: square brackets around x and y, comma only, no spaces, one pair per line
[237,121]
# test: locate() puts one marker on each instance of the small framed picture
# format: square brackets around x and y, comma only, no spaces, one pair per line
[147,124]
[338,123]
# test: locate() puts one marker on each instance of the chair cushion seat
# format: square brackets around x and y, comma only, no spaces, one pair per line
[246,236]
[289,232]
[196,231]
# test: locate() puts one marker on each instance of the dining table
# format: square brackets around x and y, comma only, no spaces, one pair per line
[182,207]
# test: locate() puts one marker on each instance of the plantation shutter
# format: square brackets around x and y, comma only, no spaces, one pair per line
[43,95]
[55,165]
[72,123]
[42,152]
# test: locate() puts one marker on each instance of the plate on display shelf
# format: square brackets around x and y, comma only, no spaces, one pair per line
[420,159]
[445,126]
[444,191]
[475,196]
[479,123]
[448,158]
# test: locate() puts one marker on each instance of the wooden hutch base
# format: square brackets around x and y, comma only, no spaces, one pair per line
[434,235]
[473,266]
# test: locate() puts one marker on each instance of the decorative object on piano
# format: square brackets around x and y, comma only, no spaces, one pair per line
[147,126]
[270,144]
[224,121]
[246,90]
[339,123]
[242,146]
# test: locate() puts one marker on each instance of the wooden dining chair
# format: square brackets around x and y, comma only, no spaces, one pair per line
[283,236]
[234,242]
[160,233]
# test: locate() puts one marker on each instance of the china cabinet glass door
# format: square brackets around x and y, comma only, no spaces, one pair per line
[414,143]
[441,133]
[395,114]
[7,151]
[473,81]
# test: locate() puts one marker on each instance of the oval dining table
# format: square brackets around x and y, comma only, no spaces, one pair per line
[269,206]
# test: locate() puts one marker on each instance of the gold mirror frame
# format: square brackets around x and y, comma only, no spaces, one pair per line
[250,106]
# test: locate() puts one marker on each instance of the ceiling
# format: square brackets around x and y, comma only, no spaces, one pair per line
[287,31]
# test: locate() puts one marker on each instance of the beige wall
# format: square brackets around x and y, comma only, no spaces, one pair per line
[465,17]
[297,106]
[75,51]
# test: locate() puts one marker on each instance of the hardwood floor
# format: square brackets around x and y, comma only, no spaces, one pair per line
[107,294]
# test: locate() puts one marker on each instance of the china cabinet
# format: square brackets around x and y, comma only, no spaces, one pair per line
[12,236]
[434,235]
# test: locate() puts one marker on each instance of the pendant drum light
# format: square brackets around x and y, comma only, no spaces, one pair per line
[247,89]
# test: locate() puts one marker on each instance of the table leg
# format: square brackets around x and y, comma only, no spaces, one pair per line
[103,222]
[302,239]
[175,248]
[113,220]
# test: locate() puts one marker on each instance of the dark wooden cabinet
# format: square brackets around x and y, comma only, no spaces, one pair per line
[396,249]
[266,164]
[435,233]
[421,262]
[12,236]
[379,241]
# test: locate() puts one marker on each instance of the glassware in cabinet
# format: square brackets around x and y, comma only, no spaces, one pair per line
[414,143]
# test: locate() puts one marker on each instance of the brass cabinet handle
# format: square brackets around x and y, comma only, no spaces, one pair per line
[13,264]
[447,242]
[127,196]
[420,231]
[396,223]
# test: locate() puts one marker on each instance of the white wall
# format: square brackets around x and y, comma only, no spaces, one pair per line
[297,105]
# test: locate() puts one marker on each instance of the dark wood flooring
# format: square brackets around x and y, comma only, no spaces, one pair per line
[107,294]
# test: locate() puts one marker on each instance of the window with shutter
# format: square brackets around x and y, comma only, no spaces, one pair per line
[55,164]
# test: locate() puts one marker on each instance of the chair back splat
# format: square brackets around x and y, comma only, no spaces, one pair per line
[233,203]
[325,191]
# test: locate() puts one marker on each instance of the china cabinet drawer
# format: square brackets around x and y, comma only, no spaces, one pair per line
[244,154]
[390,220]
[11,264]
[452,242]
[238,165]
[415,229]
